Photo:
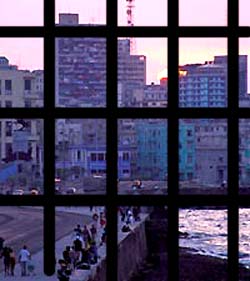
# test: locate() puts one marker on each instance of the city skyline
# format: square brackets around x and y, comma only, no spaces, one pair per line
[151,47]
[97,14]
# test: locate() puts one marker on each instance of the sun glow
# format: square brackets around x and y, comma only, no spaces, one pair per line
[162,74]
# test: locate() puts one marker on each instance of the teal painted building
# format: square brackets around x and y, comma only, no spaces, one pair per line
[186,150]
[152,157]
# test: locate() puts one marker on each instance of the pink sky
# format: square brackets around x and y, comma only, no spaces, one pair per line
[156,51]
[202,12]
[27,53]
[146,12]
[21,12]
[90,11]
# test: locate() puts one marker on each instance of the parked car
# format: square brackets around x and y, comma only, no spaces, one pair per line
[18,192]
[71,190]
[137,184]
[102,176]
[34,191]
[58,190]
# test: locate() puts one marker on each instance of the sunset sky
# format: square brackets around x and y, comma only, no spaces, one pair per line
[26,53]
[21,12]
[146,12]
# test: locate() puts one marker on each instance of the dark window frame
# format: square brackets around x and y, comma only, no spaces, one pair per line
[111,199]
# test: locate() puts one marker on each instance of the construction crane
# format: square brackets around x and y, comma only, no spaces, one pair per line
[130,22]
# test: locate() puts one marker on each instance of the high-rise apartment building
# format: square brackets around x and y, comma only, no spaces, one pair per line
[203,85]
[242,72]
[131,75]
[80,69]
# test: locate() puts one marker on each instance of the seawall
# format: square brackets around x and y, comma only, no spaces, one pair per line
[132,249]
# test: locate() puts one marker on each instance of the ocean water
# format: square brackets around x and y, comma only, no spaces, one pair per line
[207,232]
[244,236]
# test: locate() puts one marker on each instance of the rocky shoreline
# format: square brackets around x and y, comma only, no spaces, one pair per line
[195,267]
[192,267]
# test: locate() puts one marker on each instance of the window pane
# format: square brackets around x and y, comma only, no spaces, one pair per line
[203,243]
[244,97]
[142,243]
[79,158]
[203,72]
[244,12]
[142,156]
[203,156]
[84,13]
[142,72]
[21,72]
[203,12]
[139,13]
[80,72]
[21,156]
[21,13]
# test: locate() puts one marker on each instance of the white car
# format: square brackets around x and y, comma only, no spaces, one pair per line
[71,190]
[18,192]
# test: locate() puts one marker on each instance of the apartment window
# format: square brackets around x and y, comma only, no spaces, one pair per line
[27,84]
[78,155]
[8,129]
[93,157]
[27,103]
[8,104]
[100,157]
[8,150]
[125,156]
[189,159]
[8,87]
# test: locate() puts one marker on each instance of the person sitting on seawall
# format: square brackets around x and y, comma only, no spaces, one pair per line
[93,252]
[63,274]
[126,227]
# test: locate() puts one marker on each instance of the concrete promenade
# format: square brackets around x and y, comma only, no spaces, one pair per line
[77,275]
[37,258]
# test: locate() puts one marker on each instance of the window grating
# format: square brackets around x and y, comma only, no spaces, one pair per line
[111,200]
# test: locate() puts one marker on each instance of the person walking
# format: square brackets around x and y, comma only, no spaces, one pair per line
[78,230]
[93,232]
[78,247]
[12,262]
[24,257]
[6,260]
[86,236]
[1,245]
